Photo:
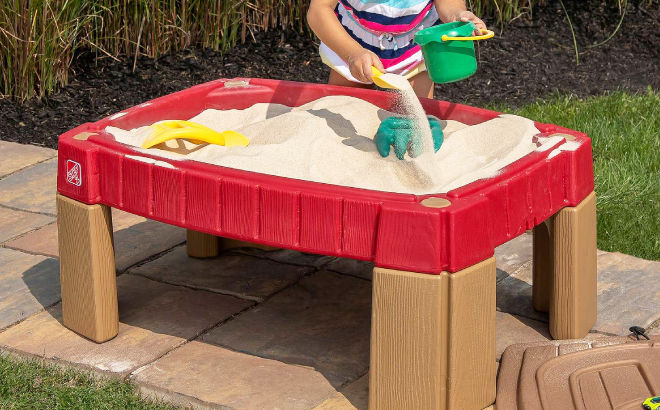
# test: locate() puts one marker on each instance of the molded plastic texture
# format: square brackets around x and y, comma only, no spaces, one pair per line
[601,374]
[394,230]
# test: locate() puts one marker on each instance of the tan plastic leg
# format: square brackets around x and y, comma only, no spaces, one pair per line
[87,269]
[226,244]
[573,303]
[542,268]
[202,245]
[433,340]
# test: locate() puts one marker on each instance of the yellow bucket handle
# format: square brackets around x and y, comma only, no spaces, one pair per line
[485,34]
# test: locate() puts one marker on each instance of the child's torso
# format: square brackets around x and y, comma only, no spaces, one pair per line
[386,28]
[388,16]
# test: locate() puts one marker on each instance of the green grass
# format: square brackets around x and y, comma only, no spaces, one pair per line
[625,132]
[29,384]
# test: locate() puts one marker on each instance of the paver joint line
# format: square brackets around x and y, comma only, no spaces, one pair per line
[27,210]
[351,381]
[350,276]
[245,352]
[152,258]
[4,245]
[26,167]
[237,295]
[137,369]
[229,319]
[201,288]
[6,328]
[94,371]
[214,326]
[197,402]
[139,340]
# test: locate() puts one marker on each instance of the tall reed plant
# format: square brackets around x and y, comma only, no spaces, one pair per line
[37,42]
[503,10]
[38,38]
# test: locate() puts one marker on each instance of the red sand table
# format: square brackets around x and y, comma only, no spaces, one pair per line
[433,321]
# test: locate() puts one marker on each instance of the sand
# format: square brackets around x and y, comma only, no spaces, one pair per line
[407,104]
[330,140]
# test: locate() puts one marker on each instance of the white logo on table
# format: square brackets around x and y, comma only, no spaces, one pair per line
[73,173]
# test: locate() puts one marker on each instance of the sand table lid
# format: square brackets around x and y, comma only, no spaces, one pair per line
[613,373]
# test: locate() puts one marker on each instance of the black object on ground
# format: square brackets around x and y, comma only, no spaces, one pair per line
[638,331]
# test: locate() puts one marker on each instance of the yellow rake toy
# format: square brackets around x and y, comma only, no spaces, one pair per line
[193,132]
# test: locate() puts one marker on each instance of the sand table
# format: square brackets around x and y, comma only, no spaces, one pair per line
[330,140]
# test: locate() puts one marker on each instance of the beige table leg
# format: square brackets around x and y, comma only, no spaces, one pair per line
[574,301]
[433,340]
[542,268]
[565,273]
[87,269]
[227,243]
[203,245]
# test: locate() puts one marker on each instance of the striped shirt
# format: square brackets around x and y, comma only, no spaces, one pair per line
[387,28]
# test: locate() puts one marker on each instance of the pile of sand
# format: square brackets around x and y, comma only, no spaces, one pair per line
[330,140]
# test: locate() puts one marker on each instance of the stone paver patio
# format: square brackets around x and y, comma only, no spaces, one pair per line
[248,329]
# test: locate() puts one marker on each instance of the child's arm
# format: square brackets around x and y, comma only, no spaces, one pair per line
[323,21]
[455,10]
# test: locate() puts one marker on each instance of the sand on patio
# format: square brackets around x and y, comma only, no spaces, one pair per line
[330,140]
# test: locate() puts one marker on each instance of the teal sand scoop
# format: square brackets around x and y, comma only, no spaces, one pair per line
[402,134]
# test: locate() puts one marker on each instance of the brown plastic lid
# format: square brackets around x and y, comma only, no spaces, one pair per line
[612,377]
[604,374]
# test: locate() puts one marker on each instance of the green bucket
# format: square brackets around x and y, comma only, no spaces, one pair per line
[448,50]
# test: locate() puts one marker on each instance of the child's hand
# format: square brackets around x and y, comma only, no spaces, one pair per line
[466,16]
[360,64]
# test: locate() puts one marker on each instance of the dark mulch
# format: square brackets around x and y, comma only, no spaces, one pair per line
[527,61]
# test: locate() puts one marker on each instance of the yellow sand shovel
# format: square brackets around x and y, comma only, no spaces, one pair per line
[193,132]
[376,77]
